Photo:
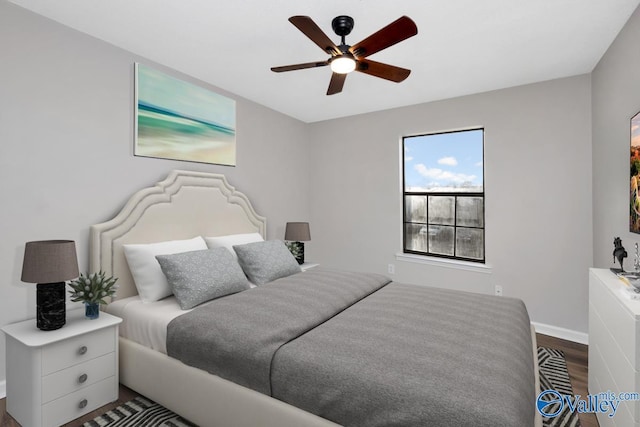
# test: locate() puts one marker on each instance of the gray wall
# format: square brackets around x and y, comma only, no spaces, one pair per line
[616,98]
[66,162]
[66,148]
[538,194]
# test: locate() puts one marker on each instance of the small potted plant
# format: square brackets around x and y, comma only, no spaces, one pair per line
[297,250]
[92,290]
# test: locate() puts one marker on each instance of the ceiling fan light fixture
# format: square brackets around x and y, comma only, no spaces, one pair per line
[343,64]
[345,58]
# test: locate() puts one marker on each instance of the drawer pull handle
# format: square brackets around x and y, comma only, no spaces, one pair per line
[82,378]
[83,404]
[82,350]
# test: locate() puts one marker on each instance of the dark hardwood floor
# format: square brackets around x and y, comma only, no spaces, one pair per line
[577,364]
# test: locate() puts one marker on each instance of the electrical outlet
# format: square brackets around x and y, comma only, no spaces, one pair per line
[391,269]
[498,290]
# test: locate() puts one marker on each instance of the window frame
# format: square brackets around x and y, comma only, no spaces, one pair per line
[444,194]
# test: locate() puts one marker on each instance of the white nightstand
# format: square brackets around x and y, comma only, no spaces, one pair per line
[54,377]
[308,265]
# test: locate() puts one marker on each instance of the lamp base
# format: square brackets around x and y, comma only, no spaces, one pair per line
[298,251]
[51,306]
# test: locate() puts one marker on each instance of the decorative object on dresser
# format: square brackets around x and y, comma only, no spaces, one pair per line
[614,343]
[56,377]
[619,253]
[49,263]
[92,290]
[295,234]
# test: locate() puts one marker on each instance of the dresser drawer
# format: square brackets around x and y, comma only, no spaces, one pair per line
[63,354]
[80,402]
[620,323]
[78,376]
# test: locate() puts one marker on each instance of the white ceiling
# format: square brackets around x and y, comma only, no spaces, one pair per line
[462,46]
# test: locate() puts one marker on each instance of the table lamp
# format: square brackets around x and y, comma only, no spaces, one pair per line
[296,233]
[49,263]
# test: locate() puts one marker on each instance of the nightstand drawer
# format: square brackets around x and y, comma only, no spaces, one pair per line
[62,354]
[78,403]
[78,376]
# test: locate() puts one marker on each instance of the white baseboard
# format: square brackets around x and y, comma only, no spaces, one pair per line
[3,389]
[565,334]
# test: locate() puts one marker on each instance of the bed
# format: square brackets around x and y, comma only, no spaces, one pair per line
[188,204]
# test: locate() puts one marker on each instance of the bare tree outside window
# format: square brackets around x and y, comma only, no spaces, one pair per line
[444,195]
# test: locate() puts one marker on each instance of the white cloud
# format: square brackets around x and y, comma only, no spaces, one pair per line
[448,161]
[408,158]
[479,164]
[443,176]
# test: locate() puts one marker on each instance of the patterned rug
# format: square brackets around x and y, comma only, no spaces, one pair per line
[141,412]
[554,376]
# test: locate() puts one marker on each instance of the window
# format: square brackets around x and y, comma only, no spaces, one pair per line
[444,195]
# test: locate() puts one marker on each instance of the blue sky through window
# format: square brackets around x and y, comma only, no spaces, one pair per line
[444,162]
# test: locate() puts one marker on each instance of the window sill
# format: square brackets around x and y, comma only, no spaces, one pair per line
[446,263]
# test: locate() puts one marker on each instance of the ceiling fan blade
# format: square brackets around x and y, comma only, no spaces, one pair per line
[399,30]
[336,83]
[315,34]
[384,71]
[299,66]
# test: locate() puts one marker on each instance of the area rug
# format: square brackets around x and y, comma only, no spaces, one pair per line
[141,412]
[554,376]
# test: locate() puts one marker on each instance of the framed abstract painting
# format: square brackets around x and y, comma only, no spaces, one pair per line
[178,120]
[634,197]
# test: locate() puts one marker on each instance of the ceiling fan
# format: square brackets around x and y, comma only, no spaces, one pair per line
[344,58]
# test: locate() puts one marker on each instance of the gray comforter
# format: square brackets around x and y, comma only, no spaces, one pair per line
[361,351]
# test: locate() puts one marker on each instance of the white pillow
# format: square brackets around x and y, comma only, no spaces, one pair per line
[232,240]
[151,283]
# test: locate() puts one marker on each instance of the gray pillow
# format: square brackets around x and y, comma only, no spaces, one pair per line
[266,261]
[200,276]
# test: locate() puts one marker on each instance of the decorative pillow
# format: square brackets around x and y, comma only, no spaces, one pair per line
[231,240]
[152,285]
[266,261]
[201,276]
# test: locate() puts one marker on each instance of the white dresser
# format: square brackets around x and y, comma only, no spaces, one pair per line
[54,377]
[614,355]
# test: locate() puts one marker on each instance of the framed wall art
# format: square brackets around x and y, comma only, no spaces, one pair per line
[634,197]
[178,120]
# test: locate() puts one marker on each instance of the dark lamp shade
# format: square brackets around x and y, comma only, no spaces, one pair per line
[49,261]
[297,232]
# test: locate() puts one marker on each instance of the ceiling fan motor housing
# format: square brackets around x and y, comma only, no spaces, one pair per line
[342,25]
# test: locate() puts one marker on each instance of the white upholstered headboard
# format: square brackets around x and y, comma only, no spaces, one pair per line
[184,205]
